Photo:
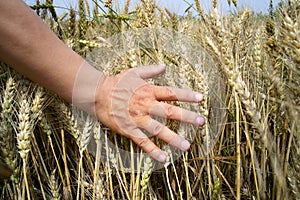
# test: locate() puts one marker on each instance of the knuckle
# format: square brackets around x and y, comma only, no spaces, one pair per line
[157,128]
[152,150]
[143,142]
[146,88]
[170,93]
[170,111]
[137,105]
[136,114]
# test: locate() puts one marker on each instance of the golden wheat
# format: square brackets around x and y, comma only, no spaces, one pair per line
[250,150]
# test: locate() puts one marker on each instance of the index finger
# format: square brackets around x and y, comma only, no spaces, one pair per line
[162,93]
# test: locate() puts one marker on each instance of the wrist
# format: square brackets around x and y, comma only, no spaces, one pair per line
[85,87]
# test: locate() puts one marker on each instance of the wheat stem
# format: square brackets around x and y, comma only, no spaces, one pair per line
[238,148]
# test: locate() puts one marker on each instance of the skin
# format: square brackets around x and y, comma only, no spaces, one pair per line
[32,49]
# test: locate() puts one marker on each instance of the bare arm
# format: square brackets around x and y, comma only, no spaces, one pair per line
[32,49]
[125,102]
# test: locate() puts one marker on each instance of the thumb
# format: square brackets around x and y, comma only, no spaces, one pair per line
[150,71]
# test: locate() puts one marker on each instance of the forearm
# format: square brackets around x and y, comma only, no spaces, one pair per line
[31,48]
[125,102]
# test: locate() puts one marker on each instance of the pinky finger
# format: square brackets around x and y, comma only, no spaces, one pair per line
[147,145]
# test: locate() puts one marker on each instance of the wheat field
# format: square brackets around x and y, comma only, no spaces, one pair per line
[247,66]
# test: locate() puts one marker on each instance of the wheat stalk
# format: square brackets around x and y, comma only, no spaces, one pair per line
[6,141]
[108,3]
[68,118]
[82,24]
[23,137]
[126,7]
[291,32]
[54,186]
[148,164]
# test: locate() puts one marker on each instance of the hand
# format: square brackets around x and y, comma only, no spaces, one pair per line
[125,103]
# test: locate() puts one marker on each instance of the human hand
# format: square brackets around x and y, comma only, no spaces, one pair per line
[125,103]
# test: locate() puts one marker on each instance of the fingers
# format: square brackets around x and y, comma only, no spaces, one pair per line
[167,93]
[176,94]
[157,129]
[147,145]
[149,71]
[168,111]
[147,97]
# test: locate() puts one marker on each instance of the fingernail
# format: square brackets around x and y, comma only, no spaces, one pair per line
[162,157]
[199,97]
[200,121]
[185,145]
[161,65]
